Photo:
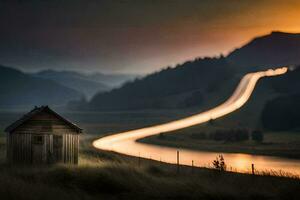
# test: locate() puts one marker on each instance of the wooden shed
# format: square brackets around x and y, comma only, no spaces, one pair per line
[42,137]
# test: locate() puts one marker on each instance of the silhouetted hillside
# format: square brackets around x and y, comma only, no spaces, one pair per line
[191,83]
[17,88]
[183,86]
[283,112]
[88,84]
[288,83]
[74,80]
[112,80]
[268,51]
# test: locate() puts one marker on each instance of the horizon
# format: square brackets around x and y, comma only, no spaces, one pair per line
[133,37]
[173,65]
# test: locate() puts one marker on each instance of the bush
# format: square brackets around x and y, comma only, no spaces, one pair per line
[219,163]
[257,136]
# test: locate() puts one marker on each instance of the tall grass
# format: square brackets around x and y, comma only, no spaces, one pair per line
[105,175]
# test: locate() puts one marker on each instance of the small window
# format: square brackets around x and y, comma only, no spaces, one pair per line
[38,139]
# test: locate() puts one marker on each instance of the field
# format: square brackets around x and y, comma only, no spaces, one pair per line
[110,176]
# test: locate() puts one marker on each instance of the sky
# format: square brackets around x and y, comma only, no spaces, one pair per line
[133,36]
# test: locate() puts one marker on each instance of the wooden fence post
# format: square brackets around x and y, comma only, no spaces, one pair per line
[177,161]
[192,166]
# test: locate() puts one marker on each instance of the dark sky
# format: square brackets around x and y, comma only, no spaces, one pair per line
[136,36]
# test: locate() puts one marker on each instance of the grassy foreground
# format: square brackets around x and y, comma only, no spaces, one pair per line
[105,175]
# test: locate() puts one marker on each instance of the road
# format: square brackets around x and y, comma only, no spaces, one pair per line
[125,142]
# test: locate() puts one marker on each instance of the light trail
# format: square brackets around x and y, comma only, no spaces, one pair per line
[238,99]
[125,142]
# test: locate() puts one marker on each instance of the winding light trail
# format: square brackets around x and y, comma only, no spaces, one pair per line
[125,142]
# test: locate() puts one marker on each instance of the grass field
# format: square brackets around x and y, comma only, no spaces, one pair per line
[105,175]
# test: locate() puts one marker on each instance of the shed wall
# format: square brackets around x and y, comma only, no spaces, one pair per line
[22,147]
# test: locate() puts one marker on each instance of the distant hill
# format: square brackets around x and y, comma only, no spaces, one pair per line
[74,80]
[112,80]
[20,89]
[186,85]
[288,83]
[275,49]
[283,112]
[201,82]
[88,84]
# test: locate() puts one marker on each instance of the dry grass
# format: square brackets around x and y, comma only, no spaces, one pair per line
[111,176]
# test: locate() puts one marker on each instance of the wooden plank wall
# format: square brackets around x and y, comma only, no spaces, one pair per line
[20,142]
[70,148]
[19,148]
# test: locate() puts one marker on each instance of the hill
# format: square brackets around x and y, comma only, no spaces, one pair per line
[201,82]
[74,80]
[20,89]
[186,85]
[283,112]
[112,80]
[88,84]
[275,49]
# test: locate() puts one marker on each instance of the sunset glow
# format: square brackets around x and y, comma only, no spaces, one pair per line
[135,37]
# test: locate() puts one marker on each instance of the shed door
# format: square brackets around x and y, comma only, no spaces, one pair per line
[57,148]
[38,149]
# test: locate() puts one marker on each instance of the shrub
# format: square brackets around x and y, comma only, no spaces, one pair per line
[219,163]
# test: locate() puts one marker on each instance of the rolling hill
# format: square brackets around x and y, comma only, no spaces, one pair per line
[275,49]
[74,80]
[283,112]
[186,85]
[201,82]
[88,84]
[20,89]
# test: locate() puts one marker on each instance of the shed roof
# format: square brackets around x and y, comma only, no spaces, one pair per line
[36,111]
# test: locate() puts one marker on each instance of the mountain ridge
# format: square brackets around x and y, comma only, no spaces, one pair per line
[264,52]
[74,80]
[18,88]
[275,49]
[88,84]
